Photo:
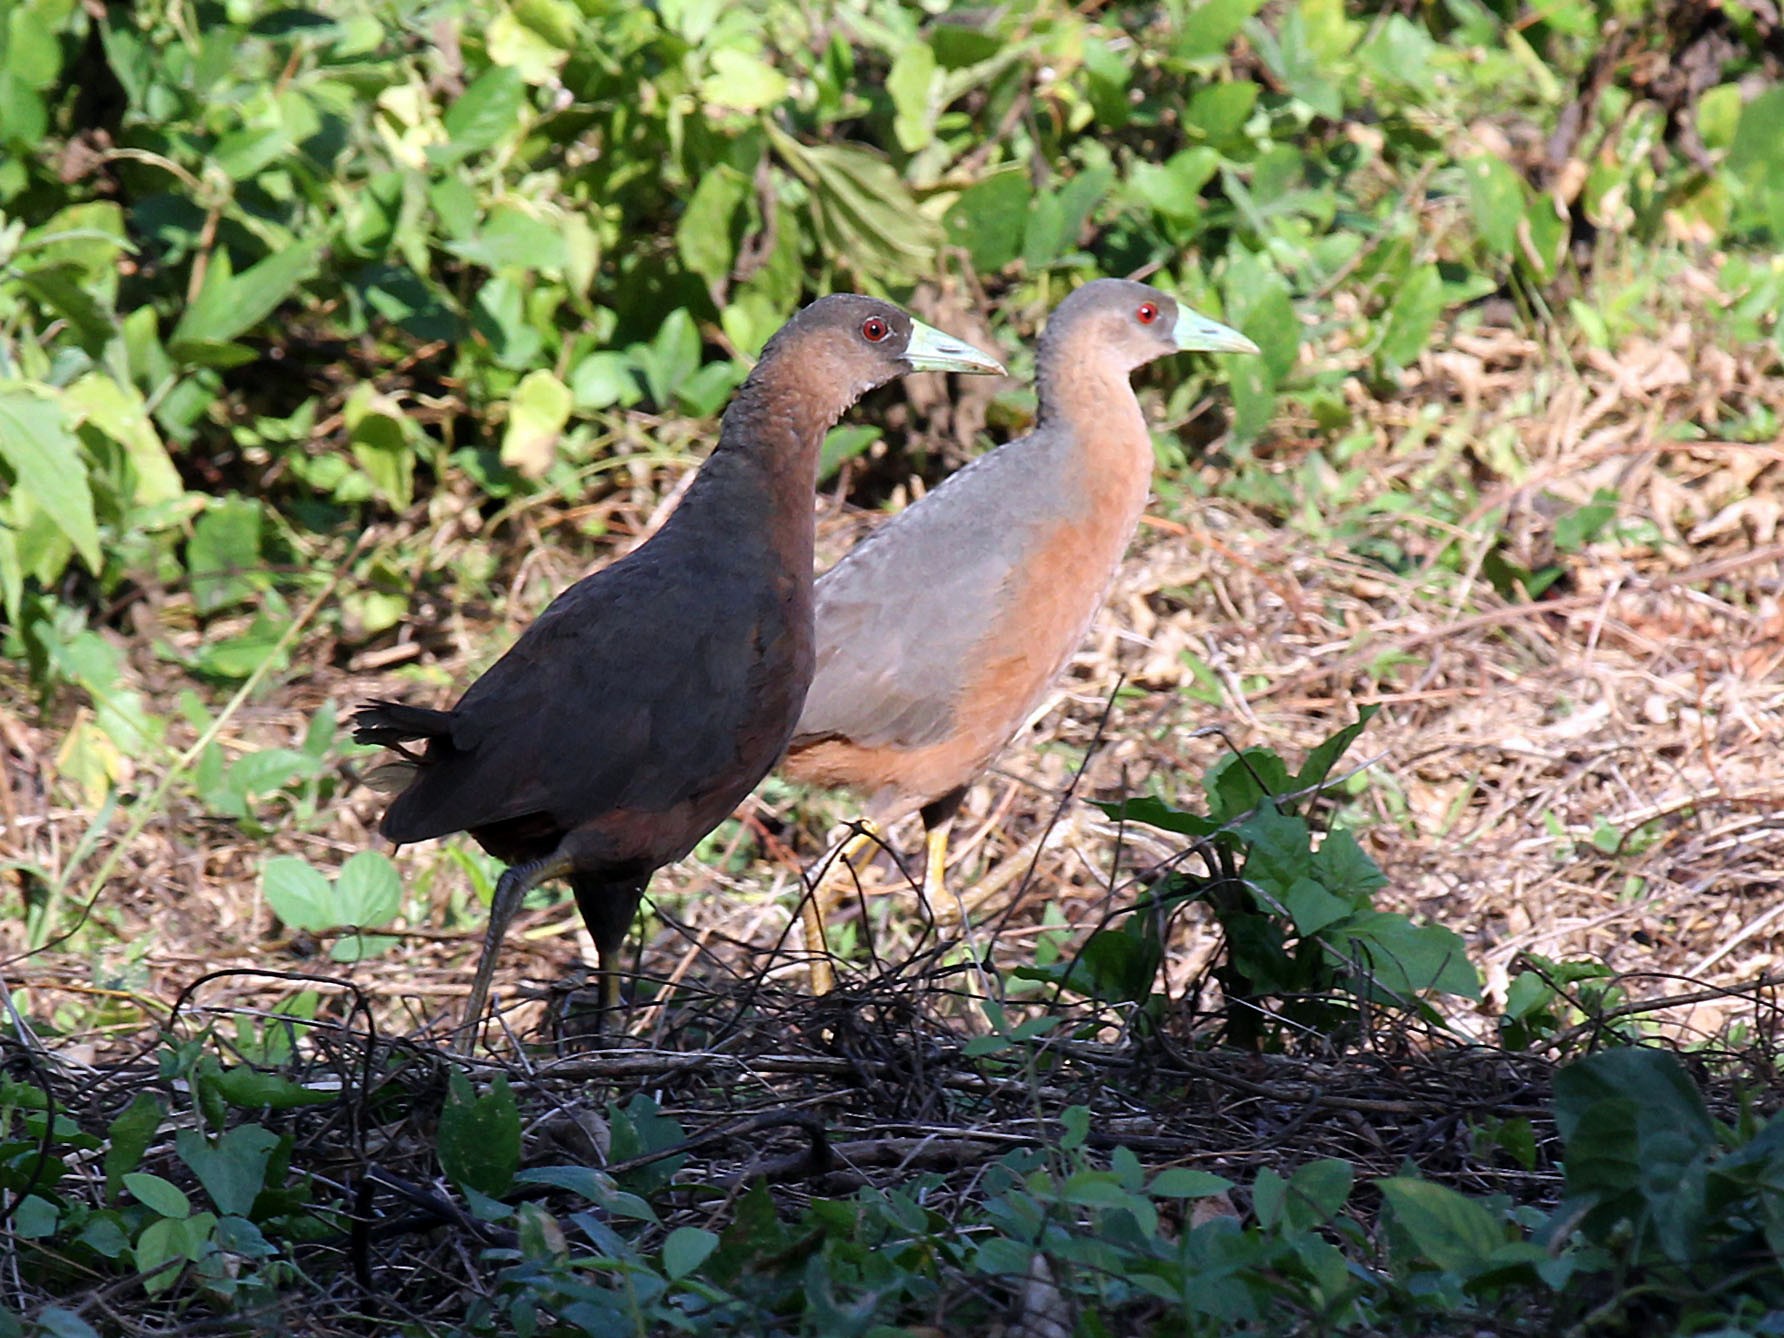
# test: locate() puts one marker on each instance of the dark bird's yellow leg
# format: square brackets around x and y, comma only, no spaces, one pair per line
[511,888]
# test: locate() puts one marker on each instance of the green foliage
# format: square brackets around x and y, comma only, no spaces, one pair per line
[368,892]
[1304,943]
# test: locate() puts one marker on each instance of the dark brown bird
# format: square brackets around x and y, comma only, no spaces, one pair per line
[940,632]
[649,698]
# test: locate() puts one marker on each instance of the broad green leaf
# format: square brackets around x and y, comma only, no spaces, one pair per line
[1185,1182]
[1218,111]
[1497,199]
[1311,906]
[223,557]
[515,237]
[603,379]
[1341,865]
[1156,813]
[233,1172]
[231,304]
[1207,30]
[46,464]
[842,444]
[485,112]
[479,1136]
[989,218]
[368,890]
[62,289]
[128,1137]
[119,412]
[743,81]
[513,45]
[249,1089]
[1453,1231]
[711,225]
[157,1194]
[686,1248]
[1411,315]
[298,894]
[1325,755]
[536,417]
[383,443]
[908,84]
[1406,960]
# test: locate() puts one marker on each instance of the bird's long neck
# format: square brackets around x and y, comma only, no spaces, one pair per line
[1086,397]
[757,483]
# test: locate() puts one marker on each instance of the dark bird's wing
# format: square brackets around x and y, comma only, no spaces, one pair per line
[614,699]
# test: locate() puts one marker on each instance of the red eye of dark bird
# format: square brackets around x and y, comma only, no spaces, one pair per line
[1147,313]
[873,329]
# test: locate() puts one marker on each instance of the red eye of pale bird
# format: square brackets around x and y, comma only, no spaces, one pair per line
[873,329]
[1147,313]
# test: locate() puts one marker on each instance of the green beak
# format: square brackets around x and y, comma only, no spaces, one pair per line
[929,350]
[1195,333]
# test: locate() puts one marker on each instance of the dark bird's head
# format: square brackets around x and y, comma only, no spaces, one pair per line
[1131,324]
[842,346]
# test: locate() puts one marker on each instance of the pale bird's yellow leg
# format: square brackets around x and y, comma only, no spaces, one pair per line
[817,908]
[935,879]
[935,873]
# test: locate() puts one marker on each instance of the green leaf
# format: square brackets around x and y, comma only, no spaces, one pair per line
[1322,1187]
[1174,188]
[383,441]
[1450,1229]
[1325,755]
[60,1323]
[233,1172]
[908,84]
[1312,907]
[1497,199]
[223,559]
[671,358]
[842,444]
[479,1136]
[368,890]
[742,80]
[1185,1182]
[298,894]
[1411,316]
[62,289]
[248,1088]
[128,1137]
[46,464]
[1219,111]
[231,304]
[1207,30]
[1152,812]
[989,218]
[602,380]
[119,411]
[157,1195]
[712,224]
[1406,960]
[685,1249]
[537,415]
[1343,868]
[484,113]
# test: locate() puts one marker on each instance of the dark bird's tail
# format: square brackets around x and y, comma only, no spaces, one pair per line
[392,724]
